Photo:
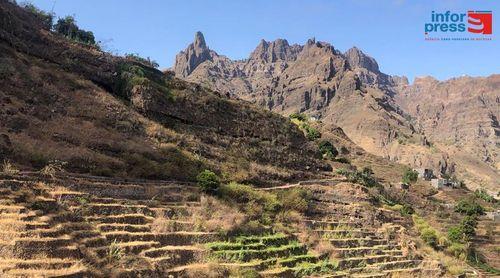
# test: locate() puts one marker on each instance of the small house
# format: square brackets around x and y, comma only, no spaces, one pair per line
[425,174]
[438,183]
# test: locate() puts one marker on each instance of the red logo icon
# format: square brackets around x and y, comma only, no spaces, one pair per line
[482,22]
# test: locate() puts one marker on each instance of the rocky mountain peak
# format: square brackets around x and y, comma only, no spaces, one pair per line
[274,51]
[196,53]
[357,59]
[199,41]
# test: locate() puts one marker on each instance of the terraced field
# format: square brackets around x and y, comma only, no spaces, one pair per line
[78,227]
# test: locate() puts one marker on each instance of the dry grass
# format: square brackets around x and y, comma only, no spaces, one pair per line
[8,168]
[214,215]
[161,224]
[210,270]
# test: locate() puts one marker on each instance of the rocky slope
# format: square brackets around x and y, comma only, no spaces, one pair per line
[347,90]
[460,116]
[108,115]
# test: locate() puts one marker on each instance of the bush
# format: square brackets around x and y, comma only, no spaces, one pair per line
[67,27]
[311,133]
[363,177]
[482,194]
[409,176]
[468,226]
[429,236]
[406,210]
[295,199]
[458,250]
[299,116]
[327,149]
[455,234]
[469,207]
[208,181]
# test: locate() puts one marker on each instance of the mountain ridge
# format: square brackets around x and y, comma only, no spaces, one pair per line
[345,89]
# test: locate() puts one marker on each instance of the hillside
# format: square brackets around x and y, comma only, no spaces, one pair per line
[112,116]
[110,167]
[373,109]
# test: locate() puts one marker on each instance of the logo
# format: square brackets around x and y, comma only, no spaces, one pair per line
[480,22]
[473,25]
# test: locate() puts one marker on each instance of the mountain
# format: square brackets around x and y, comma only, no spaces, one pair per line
[115,116]
[349,91]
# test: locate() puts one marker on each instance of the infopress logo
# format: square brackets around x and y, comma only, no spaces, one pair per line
[453,26]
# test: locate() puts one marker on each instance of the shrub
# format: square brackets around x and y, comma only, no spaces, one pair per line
[482,194]
[67,27]
[406,210]
[468,226]
[9,169]
[409,176]
[455,234]
[469,207]
[458,250]
[363,177]
[260,206]
[299,116]
[295,199]
[327,149]
[429,236]
[311,133]
[208,181]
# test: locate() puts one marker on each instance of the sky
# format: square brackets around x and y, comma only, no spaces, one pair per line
[391,31]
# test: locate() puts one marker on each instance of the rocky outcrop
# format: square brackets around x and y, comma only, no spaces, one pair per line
[196,53]
[459,115]
[357,59]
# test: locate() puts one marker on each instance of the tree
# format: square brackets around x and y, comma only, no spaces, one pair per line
[67,26]
[469,207]
[409,176]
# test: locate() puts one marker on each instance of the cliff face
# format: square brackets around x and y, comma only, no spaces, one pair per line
[348,90]
[107,115]
[459,115]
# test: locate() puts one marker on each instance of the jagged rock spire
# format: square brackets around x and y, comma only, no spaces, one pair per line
[196,53]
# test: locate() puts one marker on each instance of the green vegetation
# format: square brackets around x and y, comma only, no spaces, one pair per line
[364,177]
[409,176]
[482,194]
[147,61]
[428,234]
[301,121]
[132,74]
[208,181]
[299,116]
[276,250]
[67,27]
[327,149]
[311,132]
[469,207]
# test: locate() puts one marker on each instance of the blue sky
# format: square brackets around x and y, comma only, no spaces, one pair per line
[391,31]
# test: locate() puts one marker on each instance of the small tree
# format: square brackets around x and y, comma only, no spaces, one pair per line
[67,26]
[208,181]
[410,176]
